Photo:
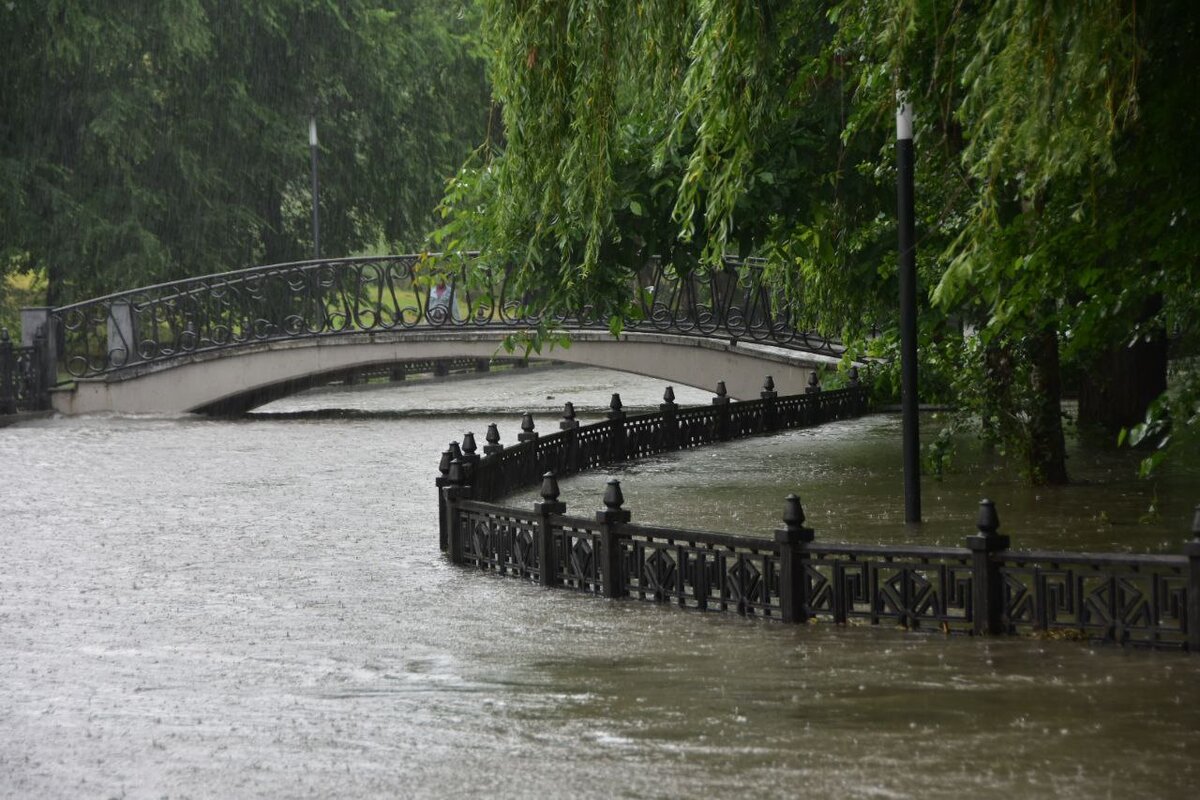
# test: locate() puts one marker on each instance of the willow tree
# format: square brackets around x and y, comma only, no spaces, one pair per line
[1054,190]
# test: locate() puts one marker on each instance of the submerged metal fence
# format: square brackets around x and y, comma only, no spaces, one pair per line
[22,377]
[983,587]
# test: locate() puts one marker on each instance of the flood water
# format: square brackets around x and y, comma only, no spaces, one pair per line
[258,608]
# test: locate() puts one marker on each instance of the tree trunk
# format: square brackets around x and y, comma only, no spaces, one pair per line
[1047,446]
[998,378]
[1121,383]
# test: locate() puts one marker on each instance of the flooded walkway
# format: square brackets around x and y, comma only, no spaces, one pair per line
[199,608]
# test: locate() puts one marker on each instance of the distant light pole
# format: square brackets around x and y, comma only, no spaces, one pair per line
[908,309]
[312,146]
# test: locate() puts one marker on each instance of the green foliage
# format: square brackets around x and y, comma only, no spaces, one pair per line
[152,140]
[1172,423]
[1056,191]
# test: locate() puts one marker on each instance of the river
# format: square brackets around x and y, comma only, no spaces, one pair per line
[258,608]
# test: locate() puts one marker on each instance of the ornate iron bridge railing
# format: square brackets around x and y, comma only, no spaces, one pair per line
[982,588]
[389,293]
[22,376]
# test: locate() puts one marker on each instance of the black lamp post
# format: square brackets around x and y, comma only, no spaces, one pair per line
[908,309]
[312,146]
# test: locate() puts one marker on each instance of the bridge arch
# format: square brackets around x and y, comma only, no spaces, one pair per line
[235,381]
[226,342]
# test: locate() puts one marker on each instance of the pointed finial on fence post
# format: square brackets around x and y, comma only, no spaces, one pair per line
[455,450]
[615,408]
[456,476]
[793,539]
[549,490]
[721,413]
[854,379]
[793,520]
[492,437]
[768,420]
[987,583]
[444,464]
[722,397]
[814,383]
[669,430]
[547,560]
[614,499]
[612,582]
[989,521]
[470,458]
[988,525]
[668,405]
[527,434]
[568,421]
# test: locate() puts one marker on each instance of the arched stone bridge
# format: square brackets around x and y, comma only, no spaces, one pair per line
[228,342]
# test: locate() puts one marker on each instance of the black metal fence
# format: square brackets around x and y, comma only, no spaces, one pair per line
[983,587]
[22,377]
[388,293]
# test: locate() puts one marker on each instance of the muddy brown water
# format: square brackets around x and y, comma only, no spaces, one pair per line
[258,608]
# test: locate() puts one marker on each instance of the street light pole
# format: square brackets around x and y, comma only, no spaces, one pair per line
[312,146]
[908,309]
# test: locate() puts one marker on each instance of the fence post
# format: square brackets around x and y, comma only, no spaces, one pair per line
[721,401]
[8,388]
[618,444]
[470,457]
[768,394]
[793,541]
[856,402]
[988,591]
[611,517]
[547,559]
[455,490]
[570,462]
[1192,551]
[492,437]
[527,436]
[441,482]
[568,421]
[35,320]
[670,426]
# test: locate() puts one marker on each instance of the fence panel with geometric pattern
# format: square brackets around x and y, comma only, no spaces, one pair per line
[985,587]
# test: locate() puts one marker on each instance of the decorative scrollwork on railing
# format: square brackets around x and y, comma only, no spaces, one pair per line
[388,293]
